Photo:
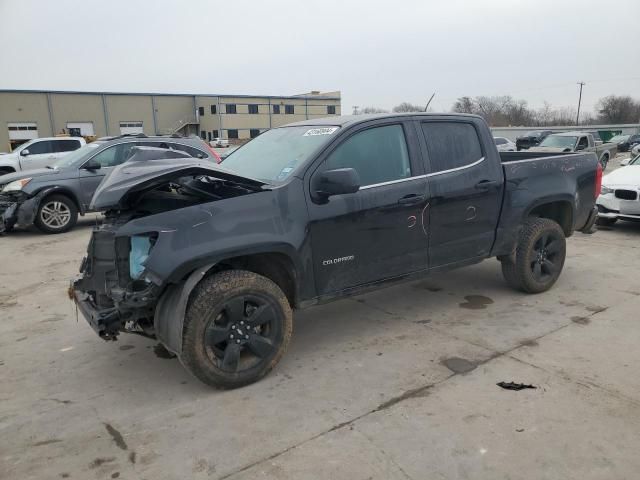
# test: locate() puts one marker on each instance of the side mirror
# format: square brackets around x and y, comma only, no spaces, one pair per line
[339,181]
[24,153]
[92,165]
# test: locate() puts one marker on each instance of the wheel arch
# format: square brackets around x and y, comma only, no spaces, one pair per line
[59,190]
[560,210]
[171,308]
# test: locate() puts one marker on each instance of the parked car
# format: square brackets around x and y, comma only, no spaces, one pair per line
[38,153]
[626,142]
[211,261]
[53,197]
[219,142]
[620,195]
[531,139]
[576,142]
[504,144]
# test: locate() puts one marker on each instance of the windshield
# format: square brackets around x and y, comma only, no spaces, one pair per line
[274,155]
[76,155]
[559,141]
[619,138]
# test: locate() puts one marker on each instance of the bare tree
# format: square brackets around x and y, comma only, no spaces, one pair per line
[618,109]
[407,107]
[366,110]
[464,105]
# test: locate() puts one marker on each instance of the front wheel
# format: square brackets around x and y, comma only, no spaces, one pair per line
[539,257]
[56,214]
[237,327]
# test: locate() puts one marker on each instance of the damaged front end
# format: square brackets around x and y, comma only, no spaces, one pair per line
[146,205]
[17,208]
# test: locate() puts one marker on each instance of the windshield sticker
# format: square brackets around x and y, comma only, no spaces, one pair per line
[320,131]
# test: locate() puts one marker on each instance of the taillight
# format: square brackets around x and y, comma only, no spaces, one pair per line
[213,152]
[598,186]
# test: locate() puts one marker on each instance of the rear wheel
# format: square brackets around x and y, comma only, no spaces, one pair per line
[237,327]
[56,214]
[539,257]
[604,161]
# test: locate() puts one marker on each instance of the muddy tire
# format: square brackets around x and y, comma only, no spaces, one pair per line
[56,214]
[237,327]
[604,161]
[605,222]
[539,257]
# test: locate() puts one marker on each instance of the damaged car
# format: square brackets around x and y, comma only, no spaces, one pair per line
[211,260]
[51,198]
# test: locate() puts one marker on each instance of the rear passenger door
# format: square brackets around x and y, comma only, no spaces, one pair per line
[465,184]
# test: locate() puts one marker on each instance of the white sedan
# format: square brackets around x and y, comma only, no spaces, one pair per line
[504,144]
[620,195]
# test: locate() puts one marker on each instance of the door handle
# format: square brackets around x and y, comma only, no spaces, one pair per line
[411,199]
[486,184]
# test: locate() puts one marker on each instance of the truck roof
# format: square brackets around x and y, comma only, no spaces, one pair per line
[571,134]
[346,120]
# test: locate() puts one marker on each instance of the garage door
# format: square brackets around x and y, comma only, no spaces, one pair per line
[22,130]
[80,128]
[131,128]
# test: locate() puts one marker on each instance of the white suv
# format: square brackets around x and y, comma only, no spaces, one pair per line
[38,153]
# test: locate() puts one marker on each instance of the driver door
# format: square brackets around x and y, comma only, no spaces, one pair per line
[108,158]
[40,155]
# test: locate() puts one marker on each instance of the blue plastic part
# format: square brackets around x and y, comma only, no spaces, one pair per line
[140,246]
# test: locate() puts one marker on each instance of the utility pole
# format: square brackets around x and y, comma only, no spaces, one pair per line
[355,109]
[582,84]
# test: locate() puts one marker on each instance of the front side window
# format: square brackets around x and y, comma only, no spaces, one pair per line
[377,154]
[451,144]
[583,142]
[40,148]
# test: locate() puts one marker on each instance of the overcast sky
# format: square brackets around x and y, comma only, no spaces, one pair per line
[378,53]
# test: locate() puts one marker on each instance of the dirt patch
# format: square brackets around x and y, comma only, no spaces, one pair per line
[117,437]
[101,461]
[46,442]
[127,347]
[476,302]
[529,343]
[581,320]
[458,365]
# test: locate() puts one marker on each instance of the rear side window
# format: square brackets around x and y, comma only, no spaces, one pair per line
[377,154]
[192,152]
[451,144]
[40,148]
[66,145]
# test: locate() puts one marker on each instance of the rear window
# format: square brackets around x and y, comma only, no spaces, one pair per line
[451,144]
[66,145]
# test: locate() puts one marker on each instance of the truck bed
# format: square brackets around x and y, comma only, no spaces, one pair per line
[566,180]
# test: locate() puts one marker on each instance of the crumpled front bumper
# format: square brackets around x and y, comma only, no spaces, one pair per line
[17,209]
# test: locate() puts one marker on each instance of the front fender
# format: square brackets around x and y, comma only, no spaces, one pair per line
[168,319]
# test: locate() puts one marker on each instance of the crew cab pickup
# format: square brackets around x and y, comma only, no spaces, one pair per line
[577,142]
[212,259]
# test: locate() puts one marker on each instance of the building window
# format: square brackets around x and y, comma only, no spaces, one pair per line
[288,109]
[253,108]
[232,133]
[254,132]
[214,134]
[209,136]
[213,109]
[201,111]
[203,134]
[131,128]
[230,108]
[276,109]
[331,109]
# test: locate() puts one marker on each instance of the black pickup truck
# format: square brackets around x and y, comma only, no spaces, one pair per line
[212,259]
